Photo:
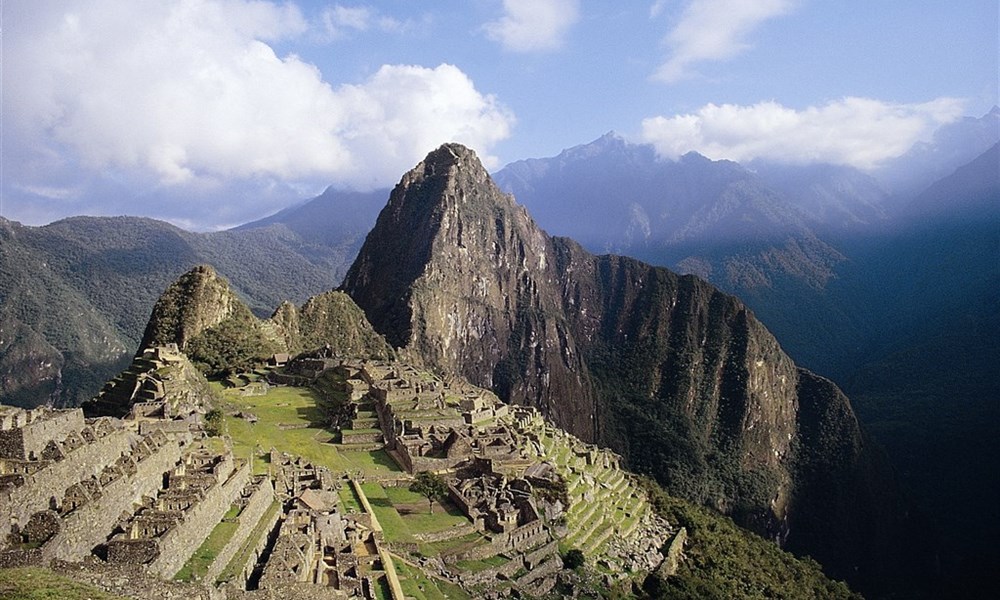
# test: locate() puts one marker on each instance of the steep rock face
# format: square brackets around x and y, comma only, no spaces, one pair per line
[679,377]
[461,277]
[197,301]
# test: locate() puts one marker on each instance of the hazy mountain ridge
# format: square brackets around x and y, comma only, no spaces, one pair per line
[677,376]
[80,292]
[951,146]
[902,313]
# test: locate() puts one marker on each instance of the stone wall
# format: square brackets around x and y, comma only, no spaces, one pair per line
[19,503]
[270,530]
[43,425]
[91,523]
[178,544]
[361,437]
[256,506]
[132,581]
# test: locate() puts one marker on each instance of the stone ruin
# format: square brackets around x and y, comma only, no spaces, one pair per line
[141,494]
[166,529]
[62,500]
[318,542]
[160,385]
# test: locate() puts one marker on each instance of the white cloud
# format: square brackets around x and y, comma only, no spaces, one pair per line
[859,132]
[533,25]
[338,18]
[712,30]
[338,21]
[191,91]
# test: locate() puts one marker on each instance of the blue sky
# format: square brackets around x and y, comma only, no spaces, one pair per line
[209,113]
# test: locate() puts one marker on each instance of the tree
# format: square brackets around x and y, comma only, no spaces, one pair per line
[573,559]
[431,486]
[213,422]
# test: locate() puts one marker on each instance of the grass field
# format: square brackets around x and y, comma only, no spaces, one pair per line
[481,565]
[204,556]
[417,585]
[403,513]
[292,419]
[41,584]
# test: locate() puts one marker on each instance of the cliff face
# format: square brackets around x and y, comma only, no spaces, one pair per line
[459,276]
[677,376]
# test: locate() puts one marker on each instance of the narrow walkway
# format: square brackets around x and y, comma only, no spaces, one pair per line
[390,569]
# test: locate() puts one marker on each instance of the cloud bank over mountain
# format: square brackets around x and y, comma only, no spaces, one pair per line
[860,132]
[212,113]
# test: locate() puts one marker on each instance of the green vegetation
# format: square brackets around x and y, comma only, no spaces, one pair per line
[417,584]
[724,561]
[476,566]
[431,486]
[333,318]
[382,591]
[573,558]
[31,583]
[214,422]
[349,499]
[453,545]
[235,345]
[393,526]
[204,556]
[289,419]
[296,420]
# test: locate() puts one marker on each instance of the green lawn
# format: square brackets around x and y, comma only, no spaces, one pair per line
[393,526]
[402,495]
[349,500]
[289,420]
[416,515]
[466,541]
[476,566]
[204,556]
[387,502]
[31,583]
[444,517]
[417,585]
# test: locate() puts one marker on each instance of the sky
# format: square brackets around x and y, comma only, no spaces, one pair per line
[211,113]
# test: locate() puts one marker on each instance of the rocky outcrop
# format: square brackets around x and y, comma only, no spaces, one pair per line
[197,301]
[459,276]
[678,377]
[206,320]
